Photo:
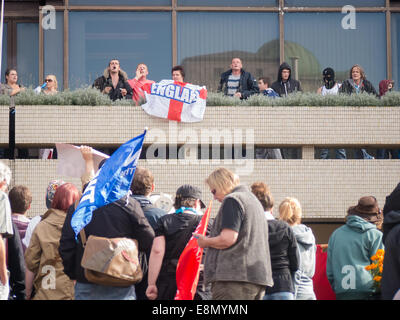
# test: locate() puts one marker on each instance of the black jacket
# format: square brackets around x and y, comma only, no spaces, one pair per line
[284,256]
[391,239]
[115,220]
[115,93]
[247,84]
[366,86]
[16,265]
[284,88]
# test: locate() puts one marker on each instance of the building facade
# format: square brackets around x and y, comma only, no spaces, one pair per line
[75,39]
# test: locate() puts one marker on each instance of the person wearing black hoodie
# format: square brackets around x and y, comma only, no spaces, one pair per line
[285,84]
[391,238]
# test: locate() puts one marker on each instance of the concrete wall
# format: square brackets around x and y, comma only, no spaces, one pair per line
[325,188]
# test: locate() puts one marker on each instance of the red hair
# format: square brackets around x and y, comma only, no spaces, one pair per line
[65,196]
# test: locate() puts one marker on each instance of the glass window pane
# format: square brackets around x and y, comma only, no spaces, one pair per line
[53,50]
[207,42]
[132,37]
[229,3]
[318,40]
[4,53]
[395,18]
[28,54]
[119,3]
[334,3]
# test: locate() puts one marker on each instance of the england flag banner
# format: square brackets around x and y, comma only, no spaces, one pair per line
[179,101]
[111,183]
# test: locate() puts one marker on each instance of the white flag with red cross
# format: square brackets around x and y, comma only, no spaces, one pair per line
[173,100]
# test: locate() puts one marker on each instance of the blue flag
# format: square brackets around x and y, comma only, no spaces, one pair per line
[111,183]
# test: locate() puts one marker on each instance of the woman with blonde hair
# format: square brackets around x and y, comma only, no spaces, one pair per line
[291,212]
[238,263]
[51,85]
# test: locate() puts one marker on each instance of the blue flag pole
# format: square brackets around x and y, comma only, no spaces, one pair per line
[111,183]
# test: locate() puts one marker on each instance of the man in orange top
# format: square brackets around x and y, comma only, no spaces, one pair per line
[139,81]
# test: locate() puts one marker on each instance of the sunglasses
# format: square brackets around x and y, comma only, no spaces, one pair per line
[213,191]
[48,80]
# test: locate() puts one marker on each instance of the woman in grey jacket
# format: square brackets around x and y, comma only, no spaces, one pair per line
[290,211]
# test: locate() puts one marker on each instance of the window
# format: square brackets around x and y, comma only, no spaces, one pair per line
[28,54]
[119,3]
[229,3]
[318,40]
[208,41]
[4,53]
[334,3]
[53,50]
[131,37]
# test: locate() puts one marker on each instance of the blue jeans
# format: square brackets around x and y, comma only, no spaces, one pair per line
[91,291]
[279,296]
[362,154]
[339,153]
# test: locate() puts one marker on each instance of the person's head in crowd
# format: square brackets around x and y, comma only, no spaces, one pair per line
[20,199]
[141,71]
[368,209]
[285,73]
[263,194]
[236,65]
[188,196]
[263,83]
[143,182]
[114,66]
[178,74]
[51,190]
[11,76]
[221,182]
[357,73]
[5,176]
[51,84]
[385,86]
[328,76]
[66,195]
[290,211]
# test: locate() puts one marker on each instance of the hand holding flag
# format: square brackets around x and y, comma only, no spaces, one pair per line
[188,268]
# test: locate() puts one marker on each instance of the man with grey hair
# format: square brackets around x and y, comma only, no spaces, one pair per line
[6,227]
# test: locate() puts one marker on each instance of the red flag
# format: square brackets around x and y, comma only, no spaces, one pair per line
[188,268]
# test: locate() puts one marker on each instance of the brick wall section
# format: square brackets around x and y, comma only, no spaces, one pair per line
[279,126]
[325,188]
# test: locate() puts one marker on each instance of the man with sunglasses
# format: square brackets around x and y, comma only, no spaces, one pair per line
[114,82]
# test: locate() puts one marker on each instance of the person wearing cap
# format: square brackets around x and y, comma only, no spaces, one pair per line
[331,86]
[172,233]
[350,249]
[237,262]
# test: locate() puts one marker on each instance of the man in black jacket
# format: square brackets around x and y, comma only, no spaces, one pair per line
[114,82]
[122,218]
[285,84]
[142,186]
[236,82]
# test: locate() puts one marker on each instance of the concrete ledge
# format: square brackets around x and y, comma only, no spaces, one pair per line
[325,188]
[270,126]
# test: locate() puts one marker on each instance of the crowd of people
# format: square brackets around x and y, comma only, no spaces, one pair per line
[250,253]
[235,82]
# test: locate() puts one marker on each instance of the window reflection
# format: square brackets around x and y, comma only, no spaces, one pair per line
[131,37]
[207,42]
[318,41]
